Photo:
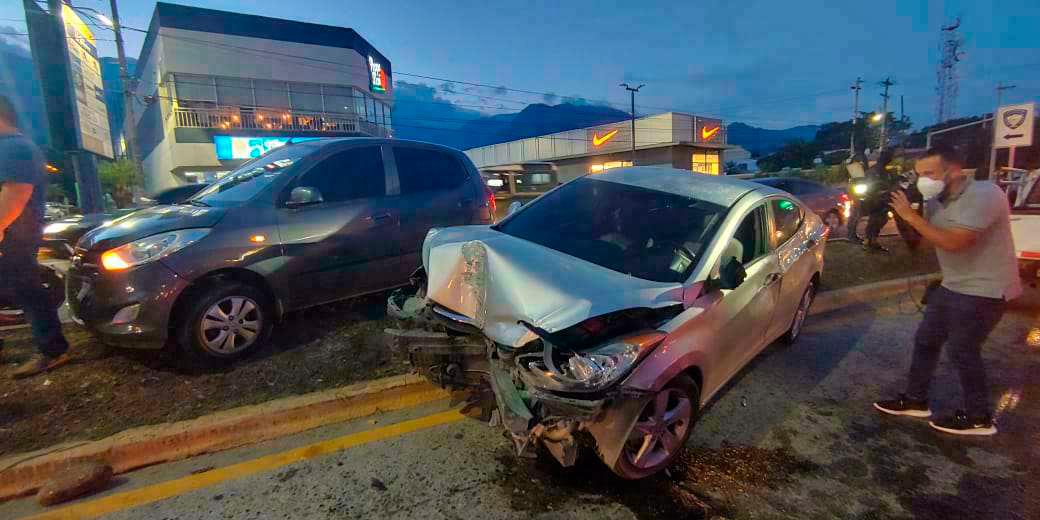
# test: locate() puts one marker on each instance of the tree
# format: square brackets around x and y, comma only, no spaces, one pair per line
[796,154]
[733,168]
[116,180]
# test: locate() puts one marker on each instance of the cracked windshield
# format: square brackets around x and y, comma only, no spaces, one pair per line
[265,260]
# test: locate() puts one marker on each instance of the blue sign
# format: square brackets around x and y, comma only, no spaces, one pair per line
[240,147]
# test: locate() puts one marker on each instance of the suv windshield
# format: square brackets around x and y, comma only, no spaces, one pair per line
[249,179]
[645,233]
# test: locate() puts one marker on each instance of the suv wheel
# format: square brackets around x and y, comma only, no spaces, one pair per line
[225,321]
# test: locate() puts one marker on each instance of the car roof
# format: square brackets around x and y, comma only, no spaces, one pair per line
[711,188]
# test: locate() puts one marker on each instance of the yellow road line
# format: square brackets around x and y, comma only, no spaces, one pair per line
[172,488]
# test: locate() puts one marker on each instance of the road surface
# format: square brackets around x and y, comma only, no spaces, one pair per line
[794,436]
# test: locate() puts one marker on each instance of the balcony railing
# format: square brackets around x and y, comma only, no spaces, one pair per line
[267,119]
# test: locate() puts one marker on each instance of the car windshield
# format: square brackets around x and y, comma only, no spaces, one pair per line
[645,233]
[249,179]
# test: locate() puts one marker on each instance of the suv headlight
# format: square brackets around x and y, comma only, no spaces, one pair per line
[860,188]
[150,248]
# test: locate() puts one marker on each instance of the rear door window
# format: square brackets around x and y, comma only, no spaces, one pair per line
[356,173]
[423,170]
[750,241]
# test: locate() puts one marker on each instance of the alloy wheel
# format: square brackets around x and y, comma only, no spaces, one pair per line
[660,430]
[231,325]
[803,310]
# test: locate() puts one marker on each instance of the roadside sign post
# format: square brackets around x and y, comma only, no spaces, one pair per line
[1013,127]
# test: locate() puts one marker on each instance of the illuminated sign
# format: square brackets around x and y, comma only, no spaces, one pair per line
[88,94]
[598,140]
[708,131]
[236,147]
[379,80]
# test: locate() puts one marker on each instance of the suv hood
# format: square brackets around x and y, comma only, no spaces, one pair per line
[150,221]
[495,281]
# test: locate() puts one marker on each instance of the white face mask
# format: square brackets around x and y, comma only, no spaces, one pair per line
[930,188]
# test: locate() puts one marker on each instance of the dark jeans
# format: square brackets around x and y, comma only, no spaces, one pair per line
[20,272]
[875,223]
[962,322]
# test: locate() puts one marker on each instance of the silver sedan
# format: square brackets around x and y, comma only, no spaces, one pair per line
[617,304]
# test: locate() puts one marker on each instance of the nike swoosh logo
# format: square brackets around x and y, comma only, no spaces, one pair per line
[709,133]
[600,139]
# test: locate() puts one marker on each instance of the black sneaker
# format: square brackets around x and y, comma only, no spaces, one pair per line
[903,405]
[960,424]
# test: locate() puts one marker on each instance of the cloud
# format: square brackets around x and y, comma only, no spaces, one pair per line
[501,90]
[550,98]
[448,88]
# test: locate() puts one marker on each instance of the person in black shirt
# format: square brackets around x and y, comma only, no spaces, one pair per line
[23,183]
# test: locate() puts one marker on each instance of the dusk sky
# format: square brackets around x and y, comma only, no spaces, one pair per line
[767,63]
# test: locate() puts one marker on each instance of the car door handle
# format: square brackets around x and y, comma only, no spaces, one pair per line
[772,278]
[376,218]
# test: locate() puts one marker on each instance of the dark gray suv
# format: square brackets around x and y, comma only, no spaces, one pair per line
[305,224]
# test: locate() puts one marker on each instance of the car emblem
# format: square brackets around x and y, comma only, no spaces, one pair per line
[598,140]
[1014,118]
[708,133]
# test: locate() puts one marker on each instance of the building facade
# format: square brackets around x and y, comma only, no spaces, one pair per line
[672,139]
[215,89]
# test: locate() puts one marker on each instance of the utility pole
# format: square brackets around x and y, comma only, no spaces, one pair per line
[856,87]
[632,91]
[1001,87]
[129,128]
[884,113]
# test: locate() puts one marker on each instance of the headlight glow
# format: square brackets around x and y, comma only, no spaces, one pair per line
[149,249]
[57,227]
[860,189]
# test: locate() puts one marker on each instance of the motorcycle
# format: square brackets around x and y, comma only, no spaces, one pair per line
[874,194]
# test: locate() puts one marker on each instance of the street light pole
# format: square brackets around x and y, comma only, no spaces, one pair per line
[855,113]
[129,127]
[884,113]
[632,91]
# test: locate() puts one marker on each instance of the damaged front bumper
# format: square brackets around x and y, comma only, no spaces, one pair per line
[452,352]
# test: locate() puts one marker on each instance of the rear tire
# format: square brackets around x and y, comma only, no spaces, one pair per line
[225,322]
[795,331]
[678,404]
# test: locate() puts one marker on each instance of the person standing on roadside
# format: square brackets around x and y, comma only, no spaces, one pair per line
[968,222]
[23,183]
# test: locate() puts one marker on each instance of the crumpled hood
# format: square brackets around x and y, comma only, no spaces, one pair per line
[497,280]
[150,221]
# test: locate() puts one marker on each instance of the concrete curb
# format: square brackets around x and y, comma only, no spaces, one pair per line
[862,294]
[23,473]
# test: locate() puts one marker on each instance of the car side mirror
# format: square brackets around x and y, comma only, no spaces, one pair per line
[731,274]
[514,207]
[304,196]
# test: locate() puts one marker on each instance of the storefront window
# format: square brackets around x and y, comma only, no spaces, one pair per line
[600,168]
[706,162]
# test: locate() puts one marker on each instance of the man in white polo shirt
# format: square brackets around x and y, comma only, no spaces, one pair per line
[968,222]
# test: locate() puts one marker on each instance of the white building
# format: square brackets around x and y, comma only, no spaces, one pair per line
[671,139]
[216,88]
[741,157]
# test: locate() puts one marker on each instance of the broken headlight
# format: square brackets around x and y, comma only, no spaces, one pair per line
[586,371]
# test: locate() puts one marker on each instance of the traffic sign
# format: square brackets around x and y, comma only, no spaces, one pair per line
[1014,126]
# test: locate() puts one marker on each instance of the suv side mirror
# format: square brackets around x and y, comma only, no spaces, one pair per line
[731,274]
[514,207]
[304,196]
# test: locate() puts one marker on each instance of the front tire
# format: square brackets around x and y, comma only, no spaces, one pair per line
[225,322]
[661,431]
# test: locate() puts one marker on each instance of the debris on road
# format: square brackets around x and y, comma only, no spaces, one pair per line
[81,478]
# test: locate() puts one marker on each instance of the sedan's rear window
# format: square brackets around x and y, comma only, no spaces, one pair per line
[646,233]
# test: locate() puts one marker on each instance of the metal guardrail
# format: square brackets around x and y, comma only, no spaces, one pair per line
[267,119]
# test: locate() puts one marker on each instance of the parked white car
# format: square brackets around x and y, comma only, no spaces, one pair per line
[1024,195]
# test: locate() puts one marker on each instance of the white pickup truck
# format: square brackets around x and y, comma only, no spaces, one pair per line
[1023,188]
